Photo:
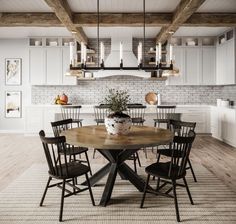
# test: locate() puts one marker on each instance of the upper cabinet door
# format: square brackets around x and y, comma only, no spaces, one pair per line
[208,66]
[192,66]
[37,66]
[178,53]
[67,80]
[230,62]
[54,66]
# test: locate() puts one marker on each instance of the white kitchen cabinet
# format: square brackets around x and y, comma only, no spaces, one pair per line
[196,65]
[228,126]
[48,64]
[34,120]
[53,66]
[40,118]
[37,66]
[67,80]
[230,61]
[179,63]
[200,115]
[225,57]
[216,123]
[223,124]
[208,74]
[192,65]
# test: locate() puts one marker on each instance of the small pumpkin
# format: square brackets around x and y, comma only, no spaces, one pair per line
[64,98]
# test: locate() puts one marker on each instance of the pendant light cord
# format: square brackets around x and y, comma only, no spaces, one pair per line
[144,30]
[98,27]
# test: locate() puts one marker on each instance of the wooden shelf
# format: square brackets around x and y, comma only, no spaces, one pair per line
[89,51]
[87,63]
[154,52]
[154,63]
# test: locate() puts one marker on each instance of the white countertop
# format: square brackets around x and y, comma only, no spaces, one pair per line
[92,105]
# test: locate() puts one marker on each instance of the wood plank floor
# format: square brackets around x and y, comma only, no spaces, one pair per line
[18,153]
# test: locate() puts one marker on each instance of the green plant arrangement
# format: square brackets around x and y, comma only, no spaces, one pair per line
[117,101]
[117,123]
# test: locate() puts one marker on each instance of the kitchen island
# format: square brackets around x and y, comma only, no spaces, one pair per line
[39,116]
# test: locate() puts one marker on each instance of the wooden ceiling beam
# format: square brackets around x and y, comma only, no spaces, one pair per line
[30,19]
[183,11]
[64,14]
[118,19]
[122,19]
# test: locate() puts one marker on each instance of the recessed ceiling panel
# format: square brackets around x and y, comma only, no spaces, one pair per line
[105,32]
[218,6]
[200,31]
[24,6]
[123,5]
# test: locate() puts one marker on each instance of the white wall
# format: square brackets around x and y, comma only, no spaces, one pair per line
[14,48]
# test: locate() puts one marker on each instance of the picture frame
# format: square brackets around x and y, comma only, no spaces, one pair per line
[13,71]
[13,104]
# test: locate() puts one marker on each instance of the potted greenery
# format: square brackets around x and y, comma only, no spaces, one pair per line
[117,123]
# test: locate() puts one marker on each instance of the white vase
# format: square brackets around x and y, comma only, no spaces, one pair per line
[118,125]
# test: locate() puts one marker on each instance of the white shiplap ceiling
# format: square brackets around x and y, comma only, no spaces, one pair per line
[200,31]
[218,6]
[24,6]
[123,5]
[23,32]
[105,32]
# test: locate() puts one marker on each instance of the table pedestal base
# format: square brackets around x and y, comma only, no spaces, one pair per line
[116,165]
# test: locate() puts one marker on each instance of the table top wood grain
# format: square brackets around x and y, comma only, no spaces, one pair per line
[97,137]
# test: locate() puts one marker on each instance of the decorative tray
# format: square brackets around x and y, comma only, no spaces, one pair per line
[151,98]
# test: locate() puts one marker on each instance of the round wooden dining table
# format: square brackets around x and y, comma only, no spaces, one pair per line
[117,149]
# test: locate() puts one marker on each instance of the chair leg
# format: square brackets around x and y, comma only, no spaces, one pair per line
[135,165]
[94,151]
[139,163]
[191,168]
[90,171]
[176,202]
[90,190]
[145,191]
[145,151]
[188,191]
[62,200]
[158,182]
[45,191]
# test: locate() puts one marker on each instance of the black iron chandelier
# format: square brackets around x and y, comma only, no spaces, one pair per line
[100,54]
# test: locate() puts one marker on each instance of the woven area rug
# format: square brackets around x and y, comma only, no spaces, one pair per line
[19,202]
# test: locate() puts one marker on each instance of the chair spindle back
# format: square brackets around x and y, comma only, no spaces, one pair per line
[71,112]
[182,128]
[53,148]
[137,113]
[181,146]
[59,126]
[100,112]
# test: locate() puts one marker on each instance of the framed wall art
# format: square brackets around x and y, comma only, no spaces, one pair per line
[13,104]
[13,71]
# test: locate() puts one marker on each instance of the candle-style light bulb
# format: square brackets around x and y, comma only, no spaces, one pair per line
[157,55]
[121,51]
[72,53]
[82,52]
[102,51]
[139,53]
[159,52]
[171,53]
[85,53]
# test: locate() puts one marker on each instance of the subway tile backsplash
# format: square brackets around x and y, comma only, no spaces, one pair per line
[93,92]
